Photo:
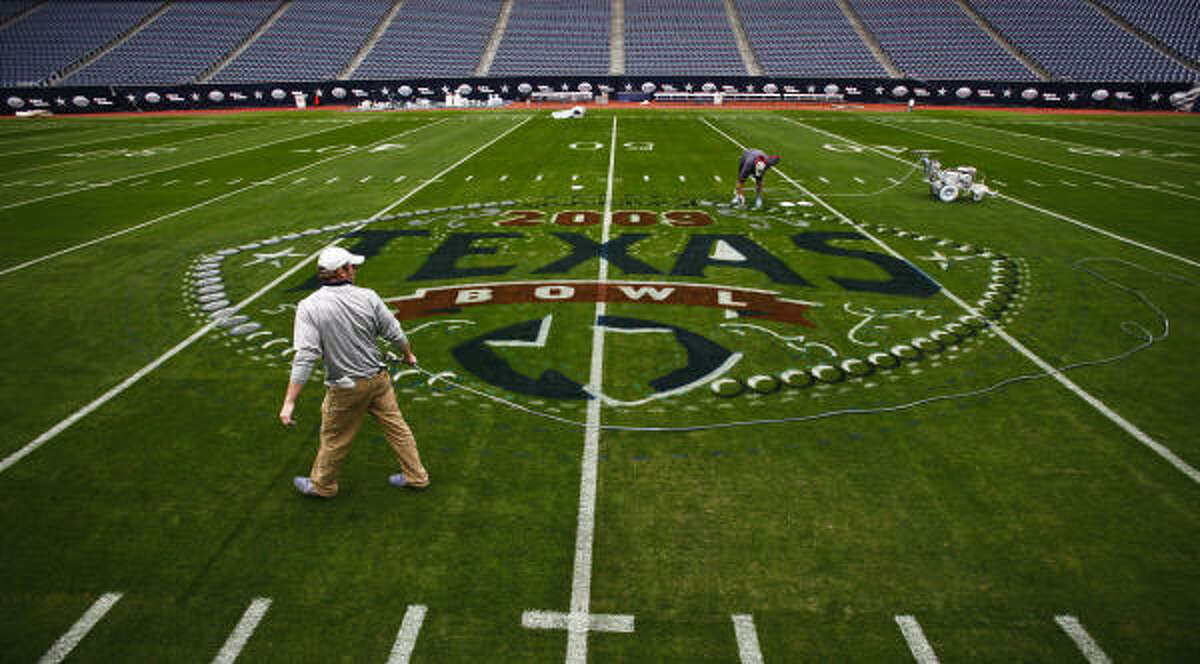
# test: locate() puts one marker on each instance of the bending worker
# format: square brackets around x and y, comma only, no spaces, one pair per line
[340,321]
[754,162]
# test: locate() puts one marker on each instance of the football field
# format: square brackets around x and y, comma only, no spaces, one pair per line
[856,424]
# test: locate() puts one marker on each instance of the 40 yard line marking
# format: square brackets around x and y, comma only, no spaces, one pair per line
[157,362]
[171,168]
[1014,155]
[214,199]
[1158,448]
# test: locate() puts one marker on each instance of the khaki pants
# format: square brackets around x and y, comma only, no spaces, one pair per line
[342,415]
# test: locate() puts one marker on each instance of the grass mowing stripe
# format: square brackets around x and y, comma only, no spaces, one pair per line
[1100,407]
[228,194]
[1051,164]
[90,618]
[915,637]
[747,639]
[1088,646]
[173,167]
[585,532]
[49,435]
[1051,213]
[242,632]
[406,638]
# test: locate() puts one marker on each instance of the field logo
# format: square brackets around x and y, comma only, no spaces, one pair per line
[507,285]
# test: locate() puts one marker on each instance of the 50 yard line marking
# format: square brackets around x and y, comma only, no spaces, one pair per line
[1114,417]
[578,621]
[585,535]
[157,362]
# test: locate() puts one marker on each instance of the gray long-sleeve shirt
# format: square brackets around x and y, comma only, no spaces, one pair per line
[340,323]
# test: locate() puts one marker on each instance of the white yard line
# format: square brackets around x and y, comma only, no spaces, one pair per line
[1088,646]
[585,532]
[243,631]
[1050,213]
[210,201]
[1101,231]
[72,162]
[1059,141]
[106,139]
[132,380]
[67,642]
[406,638]
[1042,162]
[1091,129]
[185,164]
[747,639]
[918,645]
[1100,407]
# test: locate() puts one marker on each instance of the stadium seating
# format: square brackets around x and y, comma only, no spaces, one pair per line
[10,8]
[805,38]
[555,37]
[57,34]
[179,45]
[936,39]
[432,38]
[680,37]
[1176,23]
[1075,42]
[313,40]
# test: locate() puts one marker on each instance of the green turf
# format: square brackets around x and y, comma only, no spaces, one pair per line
[966,488]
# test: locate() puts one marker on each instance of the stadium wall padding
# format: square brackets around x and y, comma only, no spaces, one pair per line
[1140,96]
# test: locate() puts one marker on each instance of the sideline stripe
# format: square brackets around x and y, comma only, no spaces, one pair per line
[71,419]
[221,197]
[1158,448]
[67,642]
[918,645]
[1110,234]
[585,530]
[242,632]
[1036,161]
[1084,641]
[171,168]
[406,638]
[747,639]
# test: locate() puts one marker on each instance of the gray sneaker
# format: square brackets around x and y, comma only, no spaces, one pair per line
[305,486]
[398,481]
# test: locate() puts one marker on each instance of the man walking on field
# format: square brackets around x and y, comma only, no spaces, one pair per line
[754,162]
[340,322]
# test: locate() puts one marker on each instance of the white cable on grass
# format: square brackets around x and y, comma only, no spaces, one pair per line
[1131,328]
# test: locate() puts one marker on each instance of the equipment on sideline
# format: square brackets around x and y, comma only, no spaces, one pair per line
[951,184]
[566,114]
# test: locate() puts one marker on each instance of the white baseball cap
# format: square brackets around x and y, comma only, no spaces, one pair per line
[332,258]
